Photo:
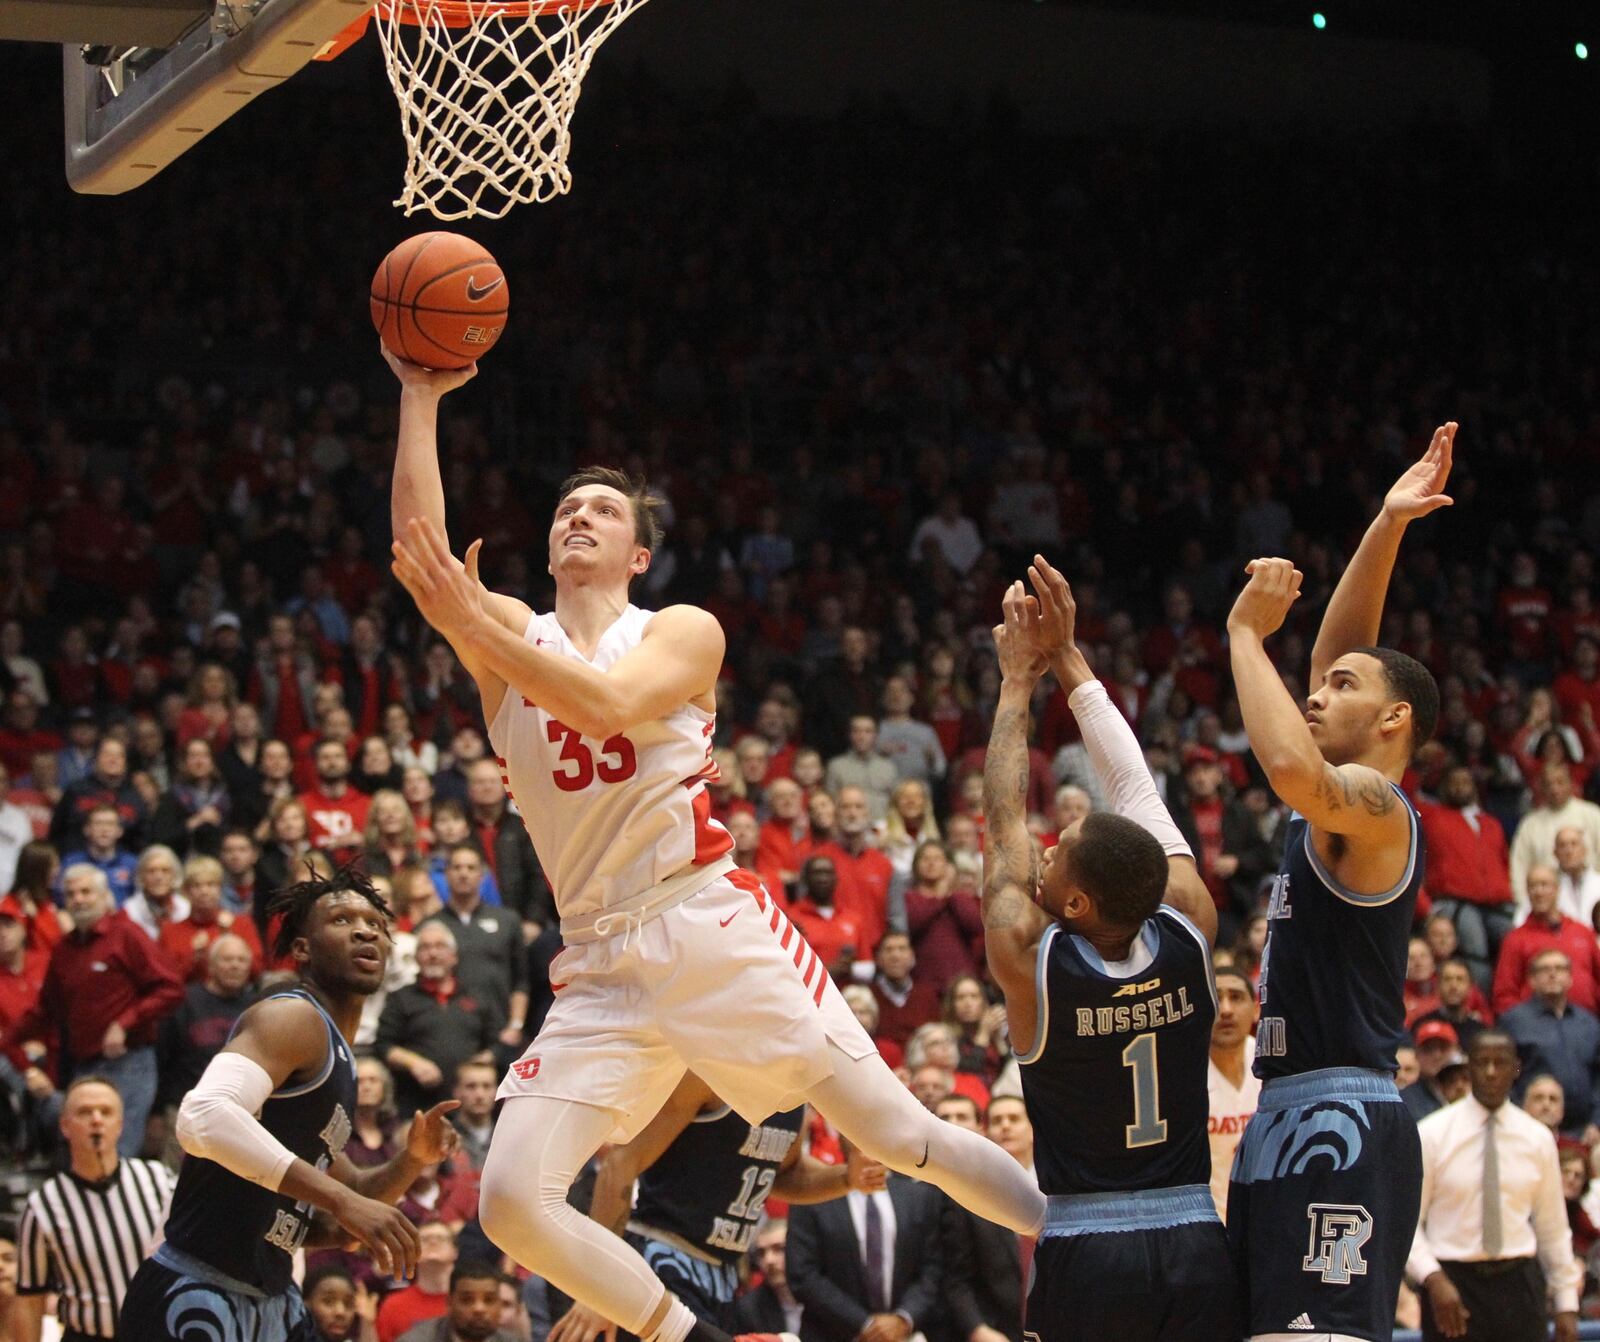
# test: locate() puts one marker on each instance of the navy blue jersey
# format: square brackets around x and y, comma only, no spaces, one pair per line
[1333,973]
[241,1229]
[1116,1081]
[709,1188]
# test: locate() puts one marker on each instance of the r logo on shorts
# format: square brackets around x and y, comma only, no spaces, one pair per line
[1338,1234]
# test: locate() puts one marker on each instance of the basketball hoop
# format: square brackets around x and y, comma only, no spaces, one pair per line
[487,89]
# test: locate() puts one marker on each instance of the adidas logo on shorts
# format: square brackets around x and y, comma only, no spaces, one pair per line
[1301,1324]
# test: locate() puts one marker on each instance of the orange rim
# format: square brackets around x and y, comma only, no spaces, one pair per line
[464,13]
[452,13]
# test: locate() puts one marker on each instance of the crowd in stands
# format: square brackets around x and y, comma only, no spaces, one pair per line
[1161,359]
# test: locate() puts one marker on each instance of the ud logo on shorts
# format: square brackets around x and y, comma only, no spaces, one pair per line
[526,1069]
[1338,1234]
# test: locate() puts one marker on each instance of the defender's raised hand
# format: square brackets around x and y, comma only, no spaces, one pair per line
[1057,612]
[1274,586]
[432,1137]
[1021,661]
[1055,627]
[1420,490]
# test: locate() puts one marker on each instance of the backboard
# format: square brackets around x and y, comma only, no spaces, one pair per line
[144,81]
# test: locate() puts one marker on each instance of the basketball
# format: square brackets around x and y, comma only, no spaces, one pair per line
[439,300]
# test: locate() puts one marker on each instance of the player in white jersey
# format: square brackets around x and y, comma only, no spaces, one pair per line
[602,716]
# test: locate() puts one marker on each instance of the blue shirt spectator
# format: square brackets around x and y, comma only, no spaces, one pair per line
[1564,1040]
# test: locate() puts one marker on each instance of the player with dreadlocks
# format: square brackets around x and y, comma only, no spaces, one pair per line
[265,1131]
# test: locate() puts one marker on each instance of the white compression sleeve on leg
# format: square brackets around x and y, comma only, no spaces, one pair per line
[1120,765]
[216,1121]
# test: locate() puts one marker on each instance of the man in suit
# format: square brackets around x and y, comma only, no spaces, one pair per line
[771,1307]
[867,1266]
[983,1269]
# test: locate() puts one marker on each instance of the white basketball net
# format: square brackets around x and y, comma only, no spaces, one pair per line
[486,106]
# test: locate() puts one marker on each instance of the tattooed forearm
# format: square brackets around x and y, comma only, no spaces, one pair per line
[1010,864]
[1362,787]
[1005,768]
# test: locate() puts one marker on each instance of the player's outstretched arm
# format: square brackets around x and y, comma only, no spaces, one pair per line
[277,1040]
[1013,923]
[1355,612]
[678,659]
[1119,764]
[430,1139]
[417,488]
[1352,800]
[803,1179]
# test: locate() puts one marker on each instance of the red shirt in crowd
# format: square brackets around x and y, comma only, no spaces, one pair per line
[784,845]
[18,992]
[1207,815]
[947,932]
[1522,944]
[828,932]
[17,748]
[406,1308]
[187,943]
[1572,692]
[112,972]
[1467,856]
[336,822]
[863,891]
[1523,613]
[900,1012]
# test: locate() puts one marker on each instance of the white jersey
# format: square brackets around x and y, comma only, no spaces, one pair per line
[609,819]
[1232,1107]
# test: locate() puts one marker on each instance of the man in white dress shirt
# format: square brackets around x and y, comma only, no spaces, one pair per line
[1580,882]
[1492,1214]
[1230,1077]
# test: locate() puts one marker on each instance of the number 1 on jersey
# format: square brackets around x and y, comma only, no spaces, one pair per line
[1148,1127]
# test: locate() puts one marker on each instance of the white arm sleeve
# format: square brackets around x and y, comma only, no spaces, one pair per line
[217,1121]
[1121,768]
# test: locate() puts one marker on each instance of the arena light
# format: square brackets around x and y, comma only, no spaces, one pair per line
[1319,21]
[1581,51]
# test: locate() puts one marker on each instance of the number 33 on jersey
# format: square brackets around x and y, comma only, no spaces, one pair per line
[608,818]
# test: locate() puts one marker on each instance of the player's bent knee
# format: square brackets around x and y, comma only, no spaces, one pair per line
[521,1216]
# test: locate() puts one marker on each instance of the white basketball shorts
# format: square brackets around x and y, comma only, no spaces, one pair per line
[722,984]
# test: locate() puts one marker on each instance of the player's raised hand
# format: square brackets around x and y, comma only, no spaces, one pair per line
[433,1137]
[414,377]
[1014,639]
[1420,490]
[1274,586]
[582,1324]
[447,590]
[1056,621]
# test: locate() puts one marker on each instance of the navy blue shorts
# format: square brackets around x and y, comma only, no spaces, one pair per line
[175,1299]
[706,1288]
[1322,1206]
[1133,1267]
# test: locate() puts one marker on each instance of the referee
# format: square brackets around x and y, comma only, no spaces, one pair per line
[85,1232]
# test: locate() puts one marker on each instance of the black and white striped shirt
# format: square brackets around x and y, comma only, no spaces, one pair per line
[86,1240]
